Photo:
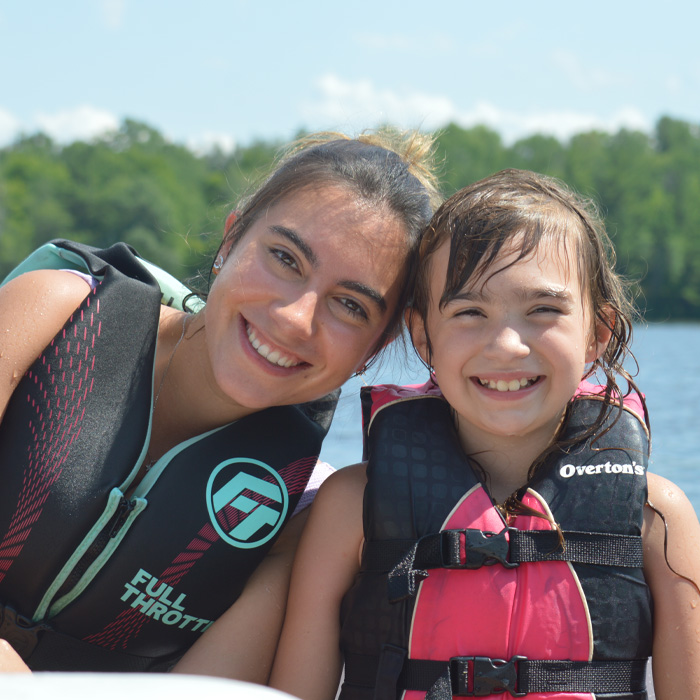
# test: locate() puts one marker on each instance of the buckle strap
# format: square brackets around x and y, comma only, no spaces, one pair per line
[477,676]
[407,561]
[472,549]
[21,632]
[602,548]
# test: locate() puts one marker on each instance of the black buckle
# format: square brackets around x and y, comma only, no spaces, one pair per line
[481,548]
[488,676]
[19,631]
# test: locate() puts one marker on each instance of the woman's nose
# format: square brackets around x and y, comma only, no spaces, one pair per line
[298,315]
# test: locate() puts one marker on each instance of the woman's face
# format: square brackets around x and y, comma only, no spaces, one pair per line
[303,297]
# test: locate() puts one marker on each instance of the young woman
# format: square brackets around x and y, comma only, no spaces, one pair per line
[152,458]
[504,535]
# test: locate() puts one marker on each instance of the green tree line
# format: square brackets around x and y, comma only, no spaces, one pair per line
[170,203]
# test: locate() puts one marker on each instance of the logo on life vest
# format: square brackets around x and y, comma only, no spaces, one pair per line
[569,470]
[247,502]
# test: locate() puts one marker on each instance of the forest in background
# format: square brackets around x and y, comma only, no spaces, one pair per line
[170,203]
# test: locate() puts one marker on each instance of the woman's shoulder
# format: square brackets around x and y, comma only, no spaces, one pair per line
[33,307]
[53,288]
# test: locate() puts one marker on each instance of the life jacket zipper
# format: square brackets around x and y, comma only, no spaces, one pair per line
[120,517]
[108,532]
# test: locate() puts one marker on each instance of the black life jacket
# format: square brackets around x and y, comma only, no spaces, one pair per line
[452,601]
[92,579]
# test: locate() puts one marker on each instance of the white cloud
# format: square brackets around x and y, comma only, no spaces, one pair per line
[80,123]
[560,124]
[584,77]
[360,104]
[209,141]
[113,13]
[9,127]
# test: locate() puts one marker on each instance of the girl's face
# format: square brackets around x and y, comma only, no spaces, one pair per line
[303,298]
[509,352]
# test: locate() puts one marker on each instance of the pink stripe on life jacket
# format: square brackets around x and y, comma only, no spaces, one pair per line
[535,610]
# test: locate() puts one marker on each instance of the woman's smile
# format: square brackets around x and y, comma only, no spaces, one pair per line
[302,298]
[273,354]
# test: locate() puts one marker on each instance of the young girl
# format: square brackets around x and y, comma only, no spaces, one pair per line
[507,541]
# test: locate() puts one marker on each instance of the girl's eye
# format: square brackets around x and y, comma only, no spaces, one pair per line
[353,308]
[471,312]
[283,258]
[547,310]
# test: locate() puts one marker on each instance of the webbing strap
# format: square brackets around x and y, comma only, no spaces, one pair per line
[44,649]
[474,676]
[475,548]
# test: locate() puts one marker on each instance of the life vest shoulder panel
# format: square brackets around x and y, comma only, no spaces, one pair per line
[420,482]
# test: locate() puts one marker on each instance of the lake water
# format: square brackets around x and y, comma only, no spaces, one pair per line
[669,361]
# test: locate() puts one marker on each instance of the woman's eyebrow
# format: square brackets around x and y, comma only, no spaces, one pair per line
[309,254]
[365,290]
[299,242]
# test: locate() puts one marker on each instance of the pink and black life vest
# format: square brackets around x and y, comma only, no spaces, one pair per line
[92,578]
[453,601]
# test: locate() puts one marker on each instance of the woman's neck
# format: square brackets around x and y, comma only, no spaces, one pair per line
[187,401]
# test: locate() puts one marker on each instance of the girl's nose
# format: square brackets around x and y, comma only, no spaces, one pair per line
[298,315]
[507,342]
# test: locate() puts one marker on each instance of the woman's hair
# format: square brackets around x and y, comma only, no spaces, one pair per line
[389,170]
[514,211]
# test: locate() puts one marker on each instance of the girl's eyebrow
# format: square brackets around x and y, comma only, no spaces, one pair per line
[293,237]
[524,294]
[303,247]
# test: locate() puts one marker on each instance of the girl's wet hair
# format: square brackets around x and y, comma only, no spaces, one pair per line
[515,211]
[389,170]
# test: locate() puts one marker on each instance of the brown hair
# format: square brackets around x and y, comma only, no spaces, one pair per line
[516,210]
[388,169]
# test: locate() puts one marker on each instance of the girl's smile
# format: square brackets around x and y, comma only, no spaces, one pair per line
[506,384]
[509,350]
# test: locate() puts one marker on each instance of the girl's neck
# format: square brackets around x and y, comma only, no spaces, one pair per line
[506,459]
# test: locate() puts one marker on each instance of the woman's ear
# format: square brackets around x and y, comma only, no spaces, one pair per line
[604,323]
[419,338]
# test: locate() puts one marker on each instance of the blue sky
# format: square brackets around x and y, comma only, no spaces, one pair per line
[226,72]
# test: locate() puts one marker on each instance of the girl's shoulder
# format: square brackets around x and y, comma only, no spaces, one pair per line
[344,484]
[668,498]
[671,531]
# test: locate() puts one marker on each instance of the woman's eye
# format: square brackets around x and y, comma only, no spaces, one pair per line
[284,258]
[353,308]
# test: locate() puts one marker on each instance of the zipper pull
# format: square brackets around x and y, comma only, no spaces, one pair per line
[123,510]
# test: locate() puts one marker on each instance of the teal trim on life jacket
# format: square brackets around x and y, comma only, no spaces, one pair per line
[53,257]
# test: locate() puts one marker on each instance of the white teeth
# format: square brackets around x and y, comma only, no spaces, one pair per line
[503,385]
[273,356]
